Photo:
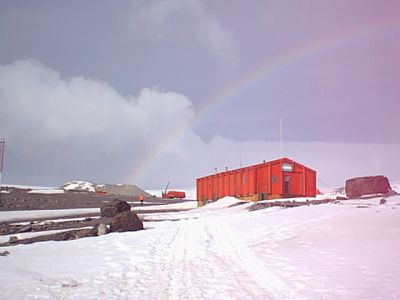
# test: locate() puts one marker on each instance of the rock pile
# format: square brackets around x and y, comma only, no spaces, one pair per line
[111,209]
[126,221]
[116,216]
[120,217]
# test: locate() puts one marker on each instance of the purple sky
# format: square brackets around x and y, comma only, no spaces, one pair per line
[107,91]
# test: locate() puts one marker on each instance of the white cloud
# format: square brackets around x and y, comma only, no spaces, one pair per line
[185,21]
[78,126]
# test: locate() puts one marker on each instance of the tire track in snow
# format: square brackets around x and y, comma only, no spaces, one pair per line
[204,259]
[192,259]
[190,264]
[236,251]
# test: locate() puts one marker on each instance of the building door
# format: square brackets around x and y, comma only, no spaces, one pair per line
[286,186]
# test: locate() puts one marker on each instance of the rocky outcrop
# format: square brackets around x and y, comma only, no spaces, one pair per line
[126,221]
[86,232]
[361,186]
[113,208]
[76,234]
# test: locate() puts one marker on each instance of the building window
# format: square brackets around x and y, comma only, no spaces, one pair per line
[273,179]
[287,168]
[245,179]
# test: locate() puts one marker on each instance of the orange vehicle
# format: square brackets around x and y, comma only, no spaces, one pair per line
[173,194]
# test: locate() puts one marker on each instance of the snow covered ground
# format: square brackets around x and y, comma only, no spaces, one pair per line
[26,235]
[15,216]
[47,191]
[8,216]
[396,187]
[347,250]
[19,186]
[54,220]
[181,205]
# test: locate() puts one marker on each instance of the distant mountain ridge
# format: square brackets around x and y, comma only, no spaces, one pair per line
[112,189]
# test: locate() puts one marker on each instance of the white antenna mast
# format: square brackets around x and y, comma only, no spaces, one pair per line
[2,146]
[281,136]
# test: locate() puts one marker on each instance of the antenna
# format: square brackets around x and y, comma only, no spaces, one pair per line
[166,188]
[281,135]
[2,146]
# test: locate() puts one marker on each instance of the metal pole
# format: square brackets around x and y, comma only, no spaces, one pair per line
[2,147]
[281,136]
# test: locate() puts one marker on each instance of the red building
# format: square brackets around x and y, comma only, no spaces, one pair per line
[281,178]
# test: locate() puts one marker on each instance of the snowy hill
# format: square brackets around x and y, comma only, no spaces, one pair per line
[344,250]
[114,189]
[80,185]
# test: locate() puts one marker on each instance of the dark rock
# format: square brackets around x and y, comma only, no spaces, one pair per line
[76,234]
[67,285]
[4,253]
[13,239]
[382,201]
[126,221]
[113,208]
[26,228]
[357,187]
[87,232]
[66,236]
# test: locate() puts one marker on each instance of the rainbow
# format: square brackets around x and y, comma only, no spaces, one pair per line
[267,67]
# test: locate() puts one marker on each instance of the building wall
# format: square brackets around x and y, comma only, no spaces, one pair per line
[269,180]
